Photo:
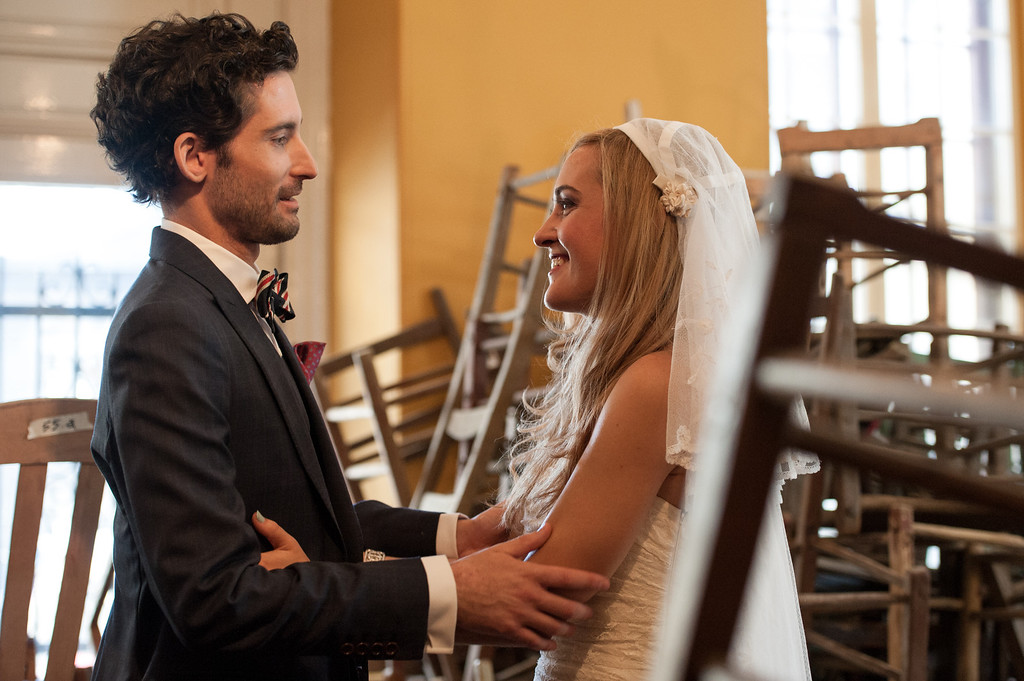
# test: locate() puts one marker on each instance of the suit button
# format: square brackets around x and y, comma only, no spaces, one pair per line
[347,648]
[362,648]
[391,649]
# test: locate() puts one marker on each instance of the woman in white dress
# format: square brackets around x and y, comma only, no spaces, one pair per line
[651,220]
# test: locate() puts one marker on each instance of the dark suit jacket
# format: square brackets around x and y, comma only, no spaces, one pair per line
[200,423]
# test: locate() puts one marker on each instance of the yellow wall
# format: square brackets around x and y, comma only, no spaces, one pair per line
[432,99]
[365,233]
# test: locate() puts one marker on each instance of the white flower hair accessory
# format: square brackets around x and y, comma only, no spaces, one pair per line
[678,198]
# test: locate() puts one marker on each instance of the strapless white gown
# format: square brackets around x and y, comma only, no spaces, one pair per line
[617,643]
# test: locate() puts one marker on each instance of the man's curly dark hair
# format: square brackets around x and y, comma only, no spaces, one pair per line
[182,75]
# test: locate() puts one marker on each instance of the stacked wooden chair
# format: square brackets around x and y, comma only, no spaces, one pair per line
[493,374]
[468,400]
[883,528]
[748,425]
[382,418]
[504,334]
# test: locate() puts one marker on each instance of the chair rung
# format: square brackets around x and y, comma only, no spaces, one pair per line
[341,414]
[847,601]
[500,317]
[854,657]
[438,386]
[417,418]
[366,470]
[421,377]
[496,343]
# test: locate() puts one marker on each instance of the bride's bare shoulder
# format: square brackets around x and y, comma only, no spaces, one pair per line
[648,373]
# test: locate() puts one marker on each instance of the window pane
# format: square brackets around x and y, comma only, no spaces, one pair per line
[948,59]
[70,254]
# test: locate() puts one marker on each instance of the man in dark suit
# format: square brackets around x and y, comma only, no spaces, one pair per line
[205,419]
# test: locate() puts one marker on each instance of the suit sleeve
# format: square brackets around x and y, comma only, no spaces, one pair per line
[172,457]
[398,531]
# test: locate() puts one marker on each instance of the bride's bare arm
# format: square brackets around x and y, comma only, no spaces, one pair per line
[607,499]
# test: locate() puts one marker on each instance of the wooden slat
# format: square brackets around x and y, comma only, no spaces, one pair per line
[854,657]
[901,560]
[801,141]
[846,601]
[919,623]
[871,568]
[60,431]
[75,584]
[28,510]
[384,434]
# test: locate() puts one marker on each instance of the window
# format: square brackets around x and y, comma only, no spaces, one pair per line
[853,63]
[70,253]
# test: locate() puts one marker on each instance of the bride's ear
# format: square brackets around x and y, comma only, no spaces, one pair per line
[193,160]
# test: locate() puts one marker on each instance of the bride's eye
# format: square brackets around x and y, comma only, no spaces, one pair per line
[564,205]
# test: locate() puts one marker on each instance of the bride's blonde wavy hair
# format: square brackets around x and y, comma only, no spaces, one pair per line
[630,314]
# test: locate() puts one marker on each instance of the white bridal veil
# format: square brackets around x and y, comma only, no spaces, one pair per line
[704,189]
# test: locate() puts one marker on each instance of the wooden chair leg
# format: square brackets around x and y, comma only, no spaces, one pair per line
[805,554]
[969,657]
[479,664]
[1001,586]
[395,670]
[901,560]
[94,623]
[919,622]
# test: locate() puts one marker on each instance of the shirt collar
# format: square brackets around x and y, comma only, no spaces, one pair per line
[241,274]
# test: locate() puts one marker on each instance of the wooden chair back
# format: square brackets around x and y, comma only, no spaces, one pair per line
[379,424]
[33,435]
[859,267]
[748,418]
[798,144]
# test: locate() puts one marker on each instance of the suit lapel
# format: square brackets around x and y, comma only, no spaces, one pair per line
[288,392]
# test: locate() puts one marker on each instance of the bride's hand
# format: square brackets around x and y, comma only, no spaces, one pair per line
[286,549]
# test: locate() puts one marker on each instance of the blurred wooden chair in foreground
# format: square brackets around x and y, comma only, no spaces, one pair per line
[879,533]
[35,434]
[378,425]
[747,422]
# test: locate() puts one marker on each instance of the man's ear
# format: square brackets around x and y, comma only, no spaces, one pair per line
[194,161]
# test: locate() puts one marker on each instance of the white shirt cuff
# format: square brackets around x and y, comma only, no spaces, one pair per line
[443,603]
[446,543]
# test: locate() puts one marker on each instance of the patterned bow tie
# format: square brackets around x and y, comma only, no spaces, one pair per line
[272,296]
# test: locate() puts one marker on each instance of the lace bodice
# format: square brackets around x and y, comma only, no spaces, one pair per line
[615,644]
